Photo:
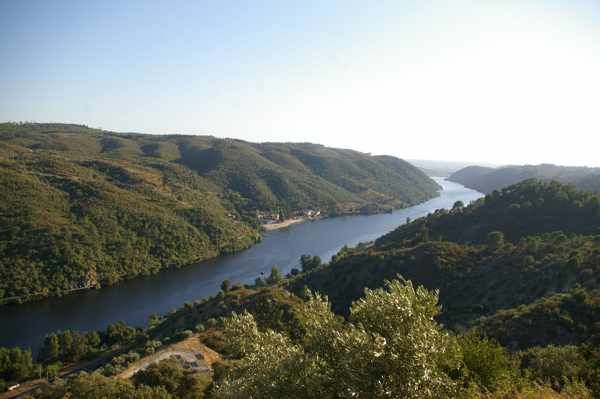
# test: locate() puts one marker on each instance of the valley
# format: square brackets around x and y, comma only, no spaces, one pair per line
[134,301]
[501,291]
[299,200]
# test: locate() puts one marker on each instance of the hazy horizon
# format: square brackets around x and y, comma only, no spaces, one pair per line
[511,82]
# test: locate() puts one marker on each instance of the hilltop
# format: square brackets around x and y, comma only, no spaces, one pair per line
[84,207]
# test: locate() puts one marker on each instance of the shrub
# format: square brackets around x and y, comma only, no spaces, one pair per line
[391,347]
[554,364]
[487,363]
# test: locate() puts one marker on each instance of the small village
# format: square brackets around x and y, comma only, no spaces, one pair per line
[278,220]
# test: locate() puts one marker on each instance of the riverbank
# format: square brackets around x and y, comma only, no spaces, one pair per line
[281,225]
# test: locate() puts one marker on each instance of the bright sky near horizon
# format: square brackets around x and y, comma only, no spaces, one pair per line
[497,81]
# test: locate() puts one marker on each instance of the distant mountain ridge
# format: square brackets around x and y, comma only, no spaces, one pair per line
[83,207]
[486,179]
[438,168]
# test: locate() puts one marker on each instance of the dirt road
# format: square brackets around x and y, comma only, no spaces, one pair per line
[193,353]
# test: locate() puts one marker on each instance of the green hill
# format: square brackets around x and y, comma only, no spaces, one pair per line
[519,267]
[561,319]
[473,280]
[487,179]
[512,248]
[528,208]
[83,207]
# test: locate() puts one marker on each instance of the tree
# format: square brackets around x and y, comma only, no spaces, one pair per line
[170,375]
[167,373]
[528,261]
[458,205]
[15,364]
[554,364]
[495,240]
[80,348]
[487,362]
[275,276]
[93,339]
[96,386]
[391,347]
[225,285]
[153,320]
[308,262]
[119,333]
[52,371]
[424,234]
[50,350]
[595,206]
[66,342]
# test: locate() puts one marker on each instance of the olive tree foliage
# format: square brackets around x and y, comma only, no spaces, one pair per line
[270,363]
[390,347]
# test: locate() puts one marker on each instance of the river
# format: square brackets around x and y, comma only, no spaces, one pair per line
[134,300]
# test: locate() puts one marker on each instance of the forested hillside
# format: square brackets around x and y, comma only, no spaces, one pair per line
[83,207]
[511,248]
[263,341]
[528,208]
[520,265]
[508,309]
[486,180]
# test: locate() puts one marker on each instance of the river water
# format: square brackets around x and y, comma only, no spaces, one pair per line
[134,300]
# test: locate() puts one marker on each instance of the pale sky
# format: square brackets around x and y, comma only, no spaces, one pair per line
[497,81]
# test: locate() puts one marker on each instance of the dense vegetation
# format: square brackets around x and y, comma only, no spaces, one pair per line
[83,207]
[520,266]
[390,347]
[276,344]
[15,365]
[486,179]
[475,281]
[72,346]
[97,386]
[64,348]
[511,248]
[561,319]
[499,299]
[525,209]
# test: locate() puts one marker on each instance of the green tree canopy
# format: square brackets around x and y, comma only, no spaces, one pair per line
[308,262]
[495,240]
[391,347]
